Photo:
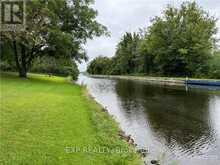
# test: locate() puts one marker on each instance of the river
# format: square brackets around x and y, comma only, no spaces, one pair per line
[177,125]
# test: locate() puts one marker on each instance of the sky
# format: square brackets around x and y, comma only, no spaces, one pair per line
[121,16]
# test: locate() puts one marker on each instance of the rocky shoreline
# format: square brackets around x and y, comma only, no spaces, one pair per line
[128,138]
[142,152]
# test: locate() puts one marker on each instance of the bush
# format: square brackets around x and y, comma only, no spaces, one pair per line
[54,66]
[72,71]
[6,66]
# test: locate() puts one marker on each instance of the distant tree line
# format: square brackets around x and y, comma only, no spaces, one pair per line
[179,43]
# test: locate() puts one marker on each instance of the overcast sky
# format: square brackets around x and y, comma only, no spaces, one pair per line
[122,16]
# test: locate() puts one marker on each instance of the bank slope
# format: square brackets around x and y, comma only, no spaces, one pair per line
[47,120]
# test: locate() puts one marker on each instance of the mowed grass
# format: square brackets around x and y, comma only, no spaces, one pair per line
[43,119]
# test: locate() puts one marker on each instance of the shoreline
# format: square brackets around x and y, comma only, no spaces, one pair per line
[153,80]
[75,128]
[128,139]
[167,81]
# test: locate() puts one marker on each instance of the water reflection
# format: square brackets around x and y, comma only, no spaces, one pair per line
[174,115]
[174,124]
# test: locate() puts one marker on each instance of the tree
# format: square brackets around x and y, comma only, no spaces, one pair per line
[100,65]
[214,65]
[55,28]
[181,40]
[179,43]
[127,55]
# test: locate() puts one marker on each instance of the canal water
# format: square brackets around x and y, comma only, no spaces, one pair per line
[177,125]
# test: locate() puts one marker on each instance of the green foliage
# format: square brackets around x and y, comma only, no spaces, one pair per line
[100,65]
[214,66]
[125,61]
[54,66]
[73,71]
[179,43]
[127,53]
[6,56]
[5,66]
[56,28]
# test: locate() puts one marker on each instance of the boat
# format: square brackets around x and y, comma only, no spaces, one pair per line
[203,82]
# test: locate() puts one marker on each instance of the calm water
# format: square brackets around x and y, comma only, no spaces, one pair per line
[177,125]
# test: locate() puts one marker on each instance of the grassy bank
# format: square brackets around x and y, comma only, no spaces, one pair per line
[47,120]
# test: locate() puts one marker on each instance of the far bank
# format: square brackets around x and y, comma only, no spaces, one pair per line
[164,80]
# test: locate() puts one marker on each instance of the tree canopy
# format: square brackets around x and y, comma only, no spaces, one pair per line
[55,28]
[99,65]
[181,42]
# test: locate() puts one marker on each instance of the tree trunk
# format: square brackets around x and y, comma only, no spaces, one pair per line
[22,73]
[21,68]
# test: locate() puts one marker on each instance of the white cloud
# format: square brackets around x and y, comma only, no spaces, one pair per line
[130,15]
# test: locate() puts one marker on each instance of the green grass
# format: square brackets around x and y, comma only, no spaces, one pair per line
[41,116]
[214,92]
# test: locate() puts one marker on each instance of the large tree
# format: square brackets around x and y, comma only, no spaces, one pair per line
[181,41]
[55,28]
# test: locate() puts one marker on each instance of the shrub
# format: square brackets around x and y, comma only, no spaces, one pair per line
[54,66]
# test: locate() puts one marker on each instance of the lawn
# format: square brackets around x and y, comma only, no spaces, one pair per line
[50,121]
